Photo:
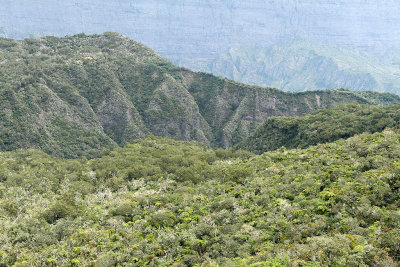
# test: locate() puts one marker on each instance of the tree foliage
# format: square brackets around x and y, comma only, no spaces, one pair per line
[321,126]
[162,202]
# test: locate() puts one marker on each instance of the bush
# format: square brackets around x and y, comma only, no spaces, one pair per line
[162,218]
[59,210]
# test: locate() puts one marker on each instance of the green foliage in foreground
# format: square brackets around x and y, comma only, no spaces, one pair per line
[322,126]
[160,202]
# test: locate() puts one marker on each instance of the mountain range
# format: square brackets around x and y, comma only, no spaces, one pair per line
[298,65]
[185,28]
[248,41]
[113,154]
[80,95]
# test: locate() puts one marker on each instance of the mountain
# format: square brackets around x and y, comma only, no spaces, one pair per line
[161,202]
[321,126]
[298,65]
[202,29]
[197,35]
[80,95]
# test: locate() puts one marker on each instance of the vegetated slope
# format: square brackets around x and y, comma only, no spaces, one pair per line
[171,203]
[298,65]
[321,126]
[77,96]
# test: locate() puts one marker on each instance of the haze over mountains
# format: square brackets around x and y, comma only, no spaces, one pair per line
[199,34]
[298,65]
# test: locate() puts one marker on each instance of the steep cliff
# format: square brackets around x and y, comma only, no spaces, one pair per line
[199,28]
[194,33]
[298,65]
[79,95]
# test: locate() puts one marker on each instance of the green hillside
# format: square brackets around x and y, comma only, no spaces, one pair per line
[322,126]
[161,202]
[83,95]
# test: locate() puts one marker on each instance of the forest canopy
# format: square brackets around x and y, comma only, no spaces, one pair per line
[162,202]
[321,126]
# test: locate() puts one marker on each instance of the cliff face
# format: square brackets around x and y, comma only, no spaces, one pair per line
[200,29]
[197,34]
[79,95]
[297,65]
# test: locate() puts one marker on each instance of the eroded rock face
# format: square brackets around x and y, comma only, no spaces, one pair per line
[188,29]
[198,33]
[298,65]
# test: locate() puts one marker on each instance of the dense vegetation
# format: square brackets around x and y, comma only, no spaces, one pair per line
[83,95]
[161,202]
[321,126]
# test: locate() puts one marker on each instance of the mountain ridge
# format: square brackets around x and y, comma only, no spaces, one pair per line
[196,34]
[320,126]
[176,28]
[117,90]
[298,65]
